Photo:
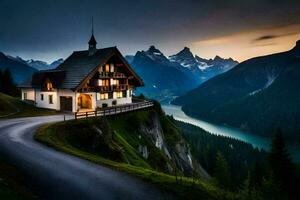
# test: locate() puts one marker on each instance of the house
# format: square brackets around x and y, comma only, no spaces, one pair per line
[86,80]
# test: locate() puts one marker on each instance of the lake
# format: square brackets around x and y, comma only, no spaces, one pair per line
[255,140]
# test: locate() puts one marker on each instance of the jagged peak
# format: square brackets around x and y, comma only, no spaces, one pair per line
[186,53]
[218,58]
[152,49]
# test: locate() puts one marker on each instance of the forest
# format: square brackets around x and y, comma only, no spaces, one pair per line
[237,166]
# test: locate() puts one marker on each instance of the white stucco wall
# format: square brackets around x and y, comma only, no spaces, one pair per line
[30,93]
[45,102]
[35,95]
[120,101]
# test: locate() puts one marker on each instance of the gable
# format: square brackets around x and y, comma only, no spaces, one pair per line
[120,62]
[79,67]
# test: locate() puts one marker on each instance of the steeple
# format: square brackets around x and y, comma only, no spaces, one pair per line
[92,42]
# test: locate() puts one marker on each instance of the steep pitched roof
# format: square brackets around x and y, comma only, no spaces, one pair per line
[80,65]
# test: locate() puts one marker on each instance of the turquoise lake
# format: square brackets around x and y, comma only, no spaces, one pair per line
[255,140]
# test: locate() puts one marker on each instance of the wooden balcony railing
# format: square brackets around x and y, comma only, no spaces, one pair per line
[112,75]
[109,88]
[115,110]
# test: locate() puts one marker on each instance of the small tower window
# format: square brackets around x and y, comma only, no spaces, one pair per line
[48,85]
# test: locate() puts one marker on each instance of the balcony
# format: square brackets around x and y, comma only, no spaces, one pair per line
[109,88]
[111,75]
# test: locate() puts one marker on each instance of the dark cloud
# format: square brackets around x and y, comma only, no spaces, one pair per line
[270,37]
[58,27]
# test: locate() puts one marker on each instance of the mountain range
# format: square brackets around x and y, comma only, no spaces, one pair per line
[22,69]
[166,77]
[262,89]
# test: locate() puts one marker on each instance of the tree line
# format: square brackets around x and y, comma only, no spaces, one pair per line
[237,166]
[7,84]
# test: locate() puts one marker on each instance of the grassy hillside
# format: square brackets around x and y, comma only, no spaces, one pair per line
[115,142]
[11,107]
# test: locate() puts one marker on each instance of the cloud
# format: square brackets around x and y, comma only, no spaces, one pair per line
[270,37]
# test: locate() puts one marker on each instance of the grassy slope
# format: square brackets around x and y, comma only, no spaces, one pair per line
[126,138]
[11,107]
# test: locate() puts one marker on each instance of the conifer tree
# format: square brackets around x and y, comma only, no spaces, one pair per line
[221,171]
[281,165]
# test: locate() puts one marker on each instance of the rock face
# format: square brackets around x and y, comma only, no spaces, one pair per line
[178,151]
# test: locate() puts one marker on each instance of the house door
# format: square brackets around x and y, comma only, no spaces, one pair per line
[84,101]
[66,103]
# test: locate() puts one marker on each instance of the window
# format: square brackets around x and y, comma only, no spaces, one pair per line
[110,95]
[106,67]
[105,82]
[119,94]
[104,96]
[97,96]
[50,99]
[48,85]
[114,82]
[42,97]
[112,68]
[25,96]
[124,93]
[130,93]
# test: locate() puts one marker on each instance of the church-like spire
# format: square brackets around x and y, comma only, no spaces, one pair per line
[92,41]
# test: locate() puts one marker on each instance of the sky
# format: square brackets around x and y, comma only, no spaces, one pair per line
[241,29]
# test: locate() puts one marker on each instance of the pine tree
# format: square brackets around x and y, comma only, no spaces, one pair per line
[7,84]
[221,172]
[281,165]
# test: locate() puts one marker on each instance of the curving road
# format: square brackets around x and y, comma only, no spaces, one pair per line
[62,176]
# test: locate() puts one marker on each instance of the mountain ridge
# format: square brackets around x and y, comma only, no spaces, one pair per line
[254,90]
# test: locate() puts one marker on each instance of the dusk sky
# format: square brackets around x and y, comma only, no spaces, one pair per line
[48,30]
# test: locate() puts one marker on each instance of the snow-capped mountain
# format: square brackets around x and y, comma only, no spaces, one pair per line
[162,77]
[203,69]
[177,74]
[41,65]
[38,64]
[20,71]
[264,88]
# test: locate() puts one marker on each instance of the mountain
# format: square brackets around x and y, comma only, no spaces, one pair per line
[202,69]
[41,65]
[168,77]
[20,70]
[162,77]
[259,95]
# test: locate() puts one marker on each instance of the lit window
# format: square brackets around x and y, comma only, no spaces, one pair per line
[104,96]
[112,68]
[42,97]
[99,82]
[106,67]
[98,96]
[50,99]
[119,94]
[49,85]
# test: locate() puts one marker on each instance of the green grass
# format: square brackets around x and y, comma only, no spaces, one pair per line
[122,141]
[11,107]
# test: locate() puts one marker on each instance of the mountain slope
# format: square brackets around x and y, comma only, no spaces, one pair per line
[263,89]
[161,77]
[19,70]
[202,69]
[167,77]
